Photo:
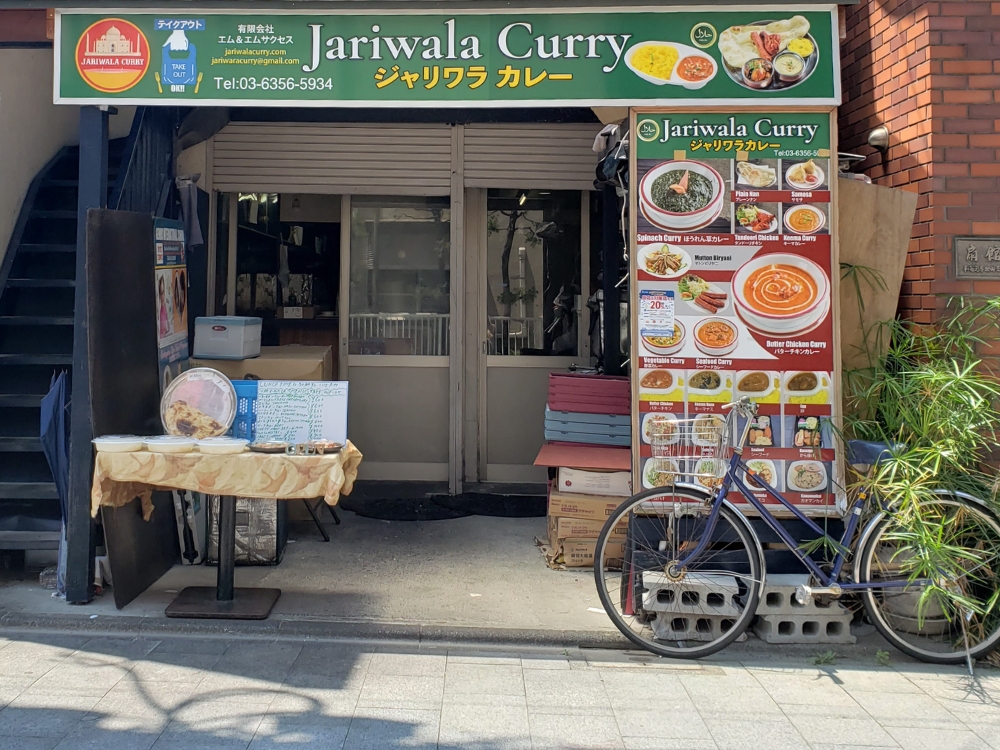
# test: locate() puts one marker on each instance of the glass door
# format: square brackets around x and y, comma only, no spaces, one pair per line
[398,327]
[534,283]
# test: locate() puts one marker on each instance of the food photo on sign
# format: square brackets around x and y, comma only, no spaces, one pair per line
[737,302]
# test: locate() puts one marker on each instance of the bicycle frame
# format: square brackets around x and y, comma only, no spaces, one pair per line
[736,464]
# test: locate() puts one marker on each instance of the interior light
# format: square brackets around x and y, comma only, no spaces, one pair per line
[522,198]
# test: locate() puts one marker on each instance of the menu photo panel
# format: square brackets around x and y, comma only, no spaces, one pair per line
[731,217]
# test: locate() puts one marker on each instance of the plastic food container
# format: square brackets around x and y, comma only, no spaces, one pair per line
[199,403]
[222,445]
[227,337]
[118,443]
[169,444]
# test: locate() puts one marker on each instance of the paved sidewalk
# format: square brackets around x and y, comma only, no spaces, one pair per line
[110,692]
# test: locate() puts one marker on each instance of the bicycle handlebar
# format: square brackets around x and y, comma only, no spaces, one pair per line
[743,404]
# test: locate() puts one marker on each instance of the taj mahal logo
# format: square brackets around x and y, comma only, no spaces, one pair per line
[112,55]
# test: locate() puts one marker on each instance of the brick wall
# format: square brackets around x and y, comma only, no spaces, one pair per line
[929,72]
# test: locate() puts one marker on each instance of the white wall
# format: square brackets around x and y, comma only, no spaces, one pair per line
[32,128]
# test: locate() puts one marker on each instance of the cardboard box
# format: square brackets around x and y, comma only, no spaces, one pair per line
[579,553]
[579,481]
[579,528]
[586,507]
[307,312]
[278,363]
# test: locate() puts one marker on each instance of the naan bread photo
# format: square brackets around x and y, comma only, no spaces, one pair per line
[756,175]
[739,44]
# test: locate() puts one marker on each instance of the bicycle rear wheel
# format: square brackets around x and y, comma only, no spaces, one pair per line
[936,626]
[686,613]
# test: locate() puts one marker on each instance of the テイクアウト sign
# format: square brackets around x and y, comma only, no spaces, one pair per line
[733,56]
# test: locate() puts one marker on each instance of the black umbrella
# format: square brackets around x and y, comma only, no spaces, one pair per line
[55,437]
[55,444]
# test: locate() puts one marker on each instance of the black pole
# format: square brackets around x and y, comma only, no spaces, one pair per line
[224,581]
[93,193]
[611,256]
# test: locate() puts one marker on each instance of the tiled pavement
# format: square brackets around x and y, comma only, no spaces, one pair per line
[185,693]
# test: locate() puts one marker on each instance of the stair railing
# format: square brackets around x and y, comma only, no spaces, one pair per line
[146,169]
[22,217]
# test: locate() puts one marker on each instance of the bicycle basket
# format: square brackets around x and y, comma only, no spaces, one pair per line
[695,449]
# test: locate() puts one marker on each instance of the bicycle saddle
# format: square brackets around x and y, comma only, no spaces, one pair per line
[870,453]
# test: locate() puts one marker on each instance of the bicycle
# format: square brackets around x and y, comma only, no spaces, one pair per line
[694,569]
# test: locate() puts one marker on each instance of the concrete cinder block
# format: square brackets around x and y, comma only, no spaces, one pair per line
[697,594]
[811,628]
[679,627]
[778,598]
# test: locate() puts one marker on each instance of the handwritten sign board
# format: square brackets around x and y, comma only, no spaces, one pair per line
[977,257]
[299,411]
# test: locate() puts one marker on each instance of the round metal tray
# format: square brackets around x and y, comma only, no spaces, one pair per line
[777,85]
[190,387]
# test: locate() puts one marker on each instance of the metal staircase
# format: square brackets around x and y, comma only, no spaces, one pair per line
[36,340]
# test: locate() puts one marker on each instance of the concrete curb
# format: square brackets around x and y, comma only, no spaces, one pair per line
[316,629]
[869,642]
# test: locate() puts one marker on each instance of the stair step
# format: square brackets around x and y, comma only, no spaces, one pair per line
[20,400]
[46,283]
[36,359]
[32,247]
[35,320]
[20,445]
[46,540]
[28,491]
[52,214]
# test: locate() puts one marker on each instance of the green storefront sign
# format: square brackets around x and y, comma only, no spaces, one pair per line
[260,58]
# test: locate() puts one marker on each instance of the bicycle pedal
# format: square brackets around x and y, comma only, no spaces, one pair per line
[806,594]
[803,595]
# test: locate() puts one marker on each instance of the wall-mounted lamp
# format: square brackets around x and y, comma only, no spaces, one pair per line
[879,138]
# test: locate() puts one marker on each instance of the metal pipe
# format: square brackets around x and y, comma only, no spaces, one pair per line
[611,254]
[224,583]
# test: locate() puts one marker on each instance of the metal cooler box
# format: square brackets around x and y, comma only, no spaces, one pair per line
[261,530]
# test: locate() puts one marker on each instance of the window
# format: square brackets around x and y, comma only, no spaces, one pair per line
[400,281]
[533,272]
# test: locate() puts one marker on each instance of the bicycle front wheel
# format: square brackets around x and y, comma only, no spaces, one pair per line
[954,543]
[686,612]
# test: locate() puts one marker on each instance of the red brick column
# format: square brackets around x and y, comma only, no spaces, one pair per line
[927,71]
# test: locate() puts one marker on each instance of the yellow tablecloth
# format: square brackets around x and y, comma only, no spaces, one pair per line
[120,477]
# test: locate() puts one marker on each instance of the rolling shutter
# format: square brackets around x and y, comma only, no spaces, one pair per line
[332,158]
[540,156]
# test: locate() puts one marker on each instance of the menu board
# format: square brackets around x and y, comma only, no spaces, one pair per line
[732,220]
[300,411]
